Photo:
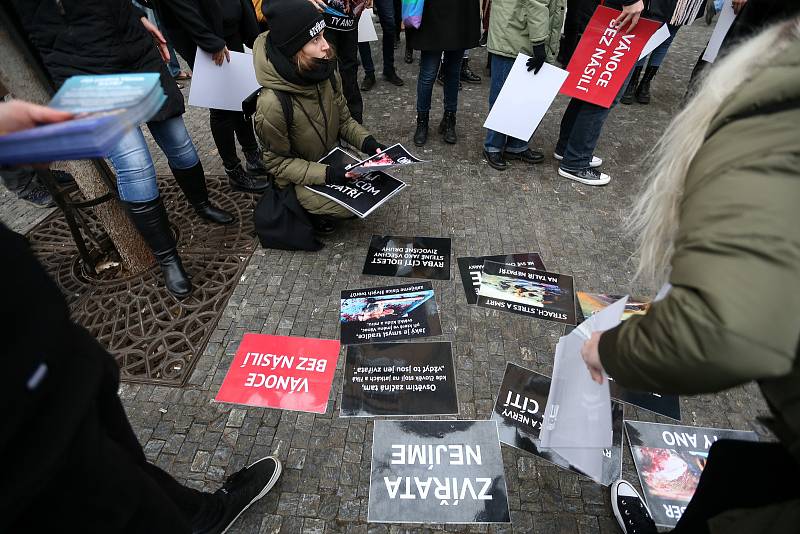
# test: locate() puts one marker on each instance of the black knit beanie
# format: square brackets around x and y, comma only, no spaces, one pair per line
[292,23]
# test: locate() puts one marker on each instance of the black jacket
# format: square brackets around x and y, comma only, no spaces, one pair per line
[447,25]
[208,24]
[95,37]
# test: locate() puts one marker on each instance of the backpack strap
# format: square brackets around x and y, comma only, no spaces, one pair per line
[285,100]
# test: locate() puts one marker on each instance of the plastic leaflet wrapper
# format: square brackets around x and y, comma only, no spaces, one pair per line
[577,418]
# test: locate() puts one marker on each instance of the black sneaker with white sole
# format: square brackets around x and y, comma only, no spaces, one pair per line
[595,162]
[242,489]
[631,512]
[588,176]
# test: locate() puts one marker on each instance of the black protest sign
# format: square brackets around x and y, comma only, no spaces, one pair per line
[437,472]
[471,267]
[394,156]
[389,313]
[670,460]
[410,257]
[518,411]
[538,294]
[361,195]
[663,404]
[399,379]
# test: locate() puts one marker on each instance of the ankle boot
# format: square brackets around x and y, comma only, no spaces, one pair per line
[466,73]
[627,96]
[448,127]
[421,133]
[150,218]
[643,91]
[192,182]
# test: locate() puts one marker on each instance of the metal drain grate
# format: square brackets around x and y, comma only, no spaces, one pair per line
[155,337]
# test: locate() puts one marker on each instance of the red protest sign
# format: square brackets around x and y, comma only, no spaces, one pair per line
[604,57]
[289,373]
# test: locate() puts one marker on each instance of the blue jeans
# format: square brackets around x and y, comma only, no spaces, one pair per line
[428,68]
[136,175]
[580,130]
[385,11]
[496,141]
[657,56]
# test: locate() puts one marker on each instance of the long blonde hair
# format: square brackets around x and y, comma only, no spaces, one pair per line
[655,215]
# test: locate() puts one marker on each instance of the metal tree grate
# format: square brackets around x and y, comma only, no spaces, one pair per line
[155,337]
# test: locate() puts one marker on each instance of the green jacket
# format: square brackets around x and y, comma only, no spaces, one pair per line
[291,154]
[514,25]
[733,314]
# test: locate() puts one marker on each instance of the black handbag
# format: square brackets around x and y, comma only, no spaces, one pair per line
[282,223]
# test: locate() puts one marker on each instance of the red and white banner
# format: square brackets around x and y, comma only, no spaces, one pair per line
[288,373]
[604,57]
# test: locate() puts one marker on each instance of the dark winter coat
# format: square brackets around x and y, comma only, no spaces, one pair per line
[96,37]
[208,24]
[447,25]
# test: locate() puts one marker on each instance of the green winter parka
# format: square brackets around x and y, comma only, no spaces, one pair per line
[733,314]
[514,25]
[291,152]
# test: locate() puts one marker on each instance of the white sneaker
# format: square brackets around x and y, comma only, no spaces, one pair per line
[631,512]
[596,162]
[588,176]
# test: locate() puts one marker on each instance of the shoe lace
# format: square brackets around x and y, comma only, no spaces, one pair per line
[634,514]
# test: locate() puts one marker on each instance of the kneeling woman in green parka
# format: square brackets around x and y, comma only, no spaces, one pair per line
[294,58]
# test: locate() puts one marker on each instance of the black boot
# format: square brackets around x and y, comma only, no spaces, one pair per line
[241,181]
[627,96]
[421,133]
[409,55]
[254,164]
[192,182]
[466,73]
[643,91]
[150,218]
[322,225]
[448,128]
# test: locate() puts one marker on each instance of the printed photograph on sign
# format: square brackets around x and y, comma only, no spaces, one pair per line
[288,373]
[669,460]
[389,313]
[518,410]
[399,379]
[361,195]
[437,472]
[470,268]
[538,294]
[663,404]
[394,156]
[409,257]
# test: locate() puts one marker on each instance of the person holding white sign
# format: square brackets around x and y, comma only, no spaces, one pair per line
[534,31]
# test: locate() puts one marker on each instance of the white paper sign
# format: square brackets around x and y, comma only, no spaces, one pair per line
[225,86]
[661,35]
[724,22]
[366,27]
[524,99]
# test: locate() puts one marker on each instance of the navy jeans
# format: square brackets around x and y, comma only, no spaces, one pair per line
[385,11]
[580,130]
[428,68]
[657,56]
[496,141]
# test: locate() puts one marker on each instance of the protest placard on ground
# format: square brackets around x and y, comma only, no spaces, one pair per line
[437,472]
[471,267]
[410,257]
[289,373]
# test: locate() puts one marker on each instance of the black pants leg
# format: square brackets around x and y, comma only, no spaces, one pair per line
[346,46]
[223,129]
[740,474]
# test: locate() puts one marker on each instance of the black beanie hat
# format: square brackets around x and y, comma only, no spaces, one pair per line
[292,23]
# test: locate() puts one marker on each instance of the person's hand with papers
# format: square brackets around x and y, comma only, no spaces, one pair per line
[539,55]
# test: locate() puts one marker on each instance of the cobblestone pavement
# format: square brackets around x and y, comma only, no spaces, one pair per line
[576,229]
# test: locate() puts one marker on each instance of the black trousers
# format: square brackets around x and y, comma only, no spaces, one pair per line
[105,483]
[346,46]
[740,474]
[224,125]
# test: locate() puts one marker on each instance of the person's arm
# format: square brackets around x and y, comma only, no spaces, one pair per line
[192,21]
[270,126]
[248,25]
[631,13]
[731,316]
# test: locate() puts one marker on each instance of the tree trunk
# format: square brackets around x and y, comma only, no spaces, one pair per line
[20,76]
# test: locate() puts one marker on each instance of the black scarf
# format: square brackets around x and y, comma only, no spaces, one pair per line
[322,70]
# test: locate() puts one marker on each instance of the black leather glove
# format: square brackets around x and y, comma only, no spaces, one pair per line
[370,145]
[539,55]
[335,175]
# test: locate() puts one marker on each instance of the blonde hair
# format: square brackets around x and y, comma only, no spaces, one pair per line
[305,63]
[655,215]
